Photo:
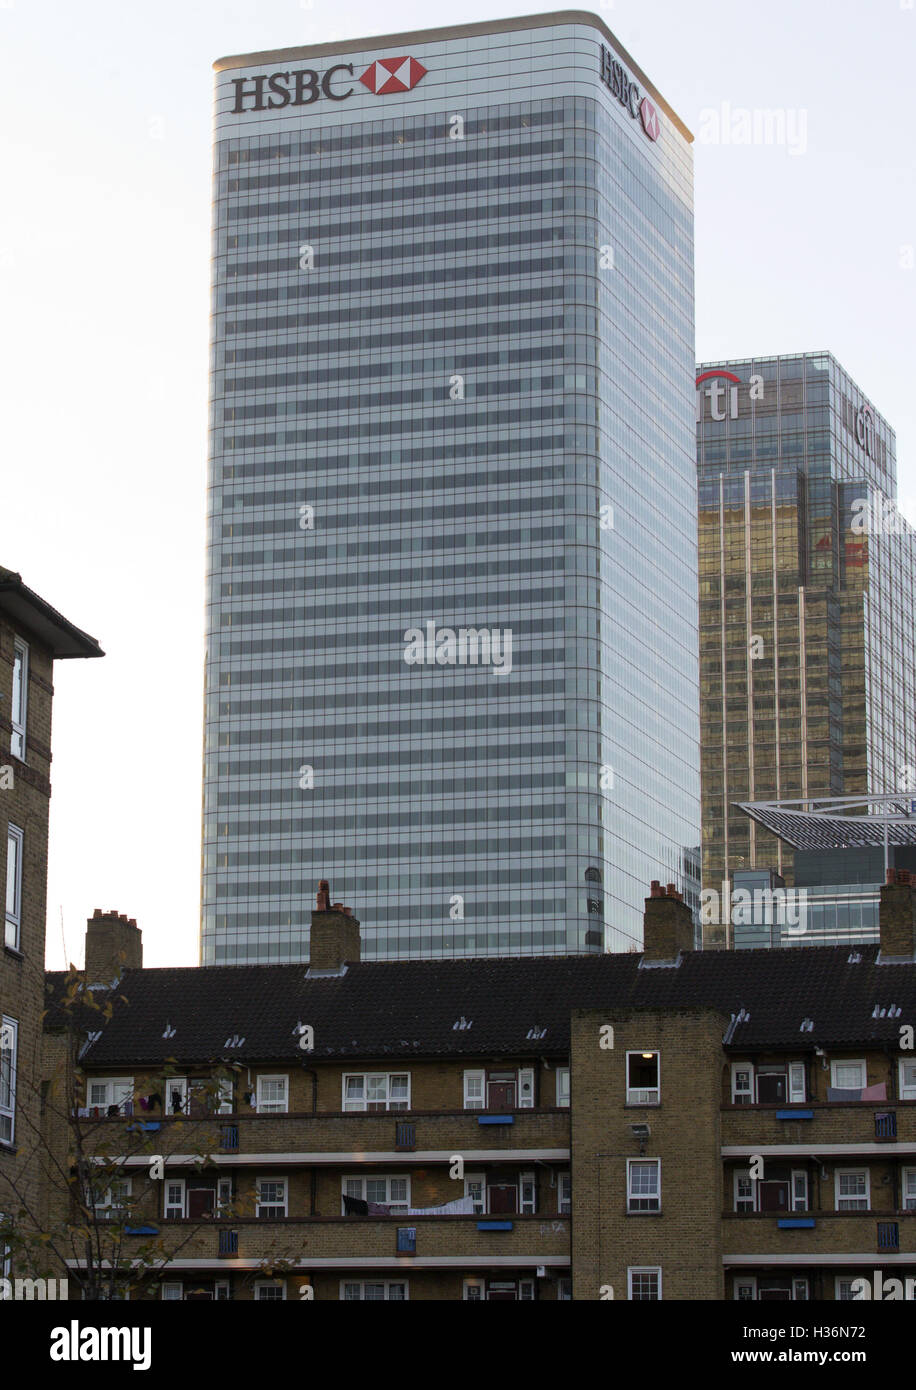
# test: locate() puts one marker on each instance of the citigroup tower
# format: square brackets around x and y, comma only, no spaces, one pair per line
[452,587]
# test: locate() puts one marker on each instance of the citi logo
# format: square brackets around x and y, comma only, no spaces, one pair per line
[272,91]
[715,392]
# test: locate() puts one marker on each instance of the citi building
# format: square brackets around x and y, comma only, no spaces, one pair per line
[452,587]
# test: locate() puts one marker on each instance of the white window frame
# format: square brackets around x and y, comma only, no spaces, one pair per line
[107,1208]
[222,1291]
[474,1290]
[562,1093]
[476,1178]
[272,1207]
[744,1175]
[171,1210]
[15,845]
[527,1194]
[800,1288]
[645,1095]
[908,1199]
[262,1285]
[907,1090]
[363,1284]
[19,717]
[223,1194]
[9,1030]
[119,1091]
[799,1192]
[643,1269]
[849,1280]
[797,1092]
[744,1281]
[524,1083]
[179,1085]
[387,1178]
[642,1197]
[849,1062]
[475,1089]
[362,1102]
[226,1096]
[171,1296]
[739,1093]
[564,1289]
[272,1107]
[866,1196]
[564,1193]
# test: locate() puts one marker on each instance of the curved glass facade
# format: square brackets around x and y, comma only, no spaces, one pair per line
[452,385]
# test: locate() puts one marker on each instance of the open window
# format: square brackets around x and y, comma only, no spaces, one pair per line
[643,1087]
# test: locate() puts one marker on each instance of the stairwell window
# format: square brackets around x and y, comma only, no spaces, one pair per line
[644,1184]
[14,847]
[20,698]
[643,1078]
[272,1095]
[9,1045]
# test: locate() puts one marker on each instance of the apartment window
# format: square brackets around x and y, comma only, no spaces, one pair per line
[9,1046]
[744,1193]
[176,1091]
[564,1290]
[742,1083]
[272,1095]
[907,1080]
[373,1291]
[782,1189]
[173,1198]
[390,1192]
[745,1288]
[271,1199]
[908,1189]
[110,1095]
[644,1283]
[225,1097]
[114,1203]
[748,1288]
[643,1184]
[376,1091]
[20,698]
[172,1291]
[224,1196]
[564,1193]
[269,1291]
[846,1288]
[848,1076]
[473,1290]
[474,1086]
[780,1083]
[642,1078]
[14,845]
[852,1189]
[562,1075]
[221,1291]
[527,1193]
[799,1190]
[475,1187]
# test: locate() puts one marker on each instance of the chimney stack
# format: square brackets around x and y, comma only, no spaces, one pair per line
[335,936]
[667,924]
[114,943]
[897,916]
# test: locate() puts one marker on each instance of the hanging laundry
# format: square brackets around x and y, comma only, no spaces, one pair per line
[355,1206]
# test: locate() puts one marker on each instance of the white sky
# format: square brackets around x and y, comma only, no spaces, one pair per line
[104,269]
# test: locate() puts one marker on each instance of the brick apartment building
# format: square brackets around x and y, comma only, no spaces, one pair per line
[32,637]
[671,1124]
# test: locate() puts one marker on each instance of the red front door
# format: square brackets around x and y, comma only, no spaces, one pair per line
[201,1201]
[501,1095]
[503,1198]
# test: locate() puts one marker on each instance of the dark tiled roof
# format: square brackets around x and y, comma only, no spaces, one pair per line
[401,1009]
[55,632]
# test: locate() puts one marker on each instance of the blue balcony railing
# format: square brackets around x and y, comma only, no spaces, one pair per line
[888,1235]
[886,1125]
[229,1137]
[228,1242]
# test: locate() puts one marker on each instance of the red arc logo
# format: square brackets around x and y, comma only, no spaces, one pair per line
[387,75]
[649,117]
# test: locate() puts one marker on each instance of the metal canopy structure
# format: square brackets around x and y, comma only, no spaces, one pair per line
[838,822]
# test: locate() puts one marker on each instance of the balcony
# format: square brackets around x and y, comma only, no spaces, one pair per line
[421,1136]
[351,1242]
[854,1232]
[819,1127]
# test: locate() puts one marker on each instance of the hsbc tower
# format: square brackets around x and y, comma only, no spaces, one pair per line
[452,559]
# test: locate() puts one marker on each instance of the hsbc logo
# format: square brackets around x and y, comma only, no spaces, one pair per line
[620,84]
[392,75]
[270,92]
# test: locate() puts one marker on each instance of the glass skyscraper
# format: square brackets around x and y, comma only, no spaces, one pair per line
[452,608]
[807,600]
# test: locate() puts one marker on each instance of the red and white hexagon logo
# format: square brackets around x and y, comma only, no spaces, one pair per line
[649,117]
[392,75]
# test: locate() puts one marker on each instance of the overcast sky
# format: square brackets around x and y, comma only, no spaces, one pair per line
[104,267]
